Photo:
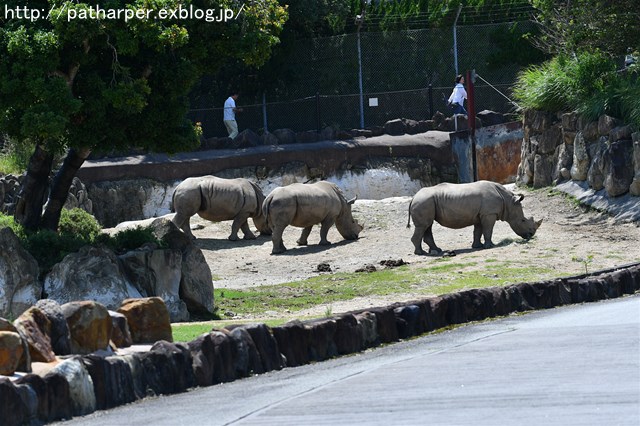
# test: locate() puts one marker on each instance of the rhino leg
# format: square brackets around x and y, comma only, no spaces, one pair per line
[276,239]
[477,235]
[183,222]
[487,224]
[302,241]
[428,239]
[325,225]
[248,235]
[416,239]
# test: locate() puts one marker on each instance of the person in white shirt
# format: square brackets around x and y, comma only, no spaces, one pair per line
[229,117]
[459,94]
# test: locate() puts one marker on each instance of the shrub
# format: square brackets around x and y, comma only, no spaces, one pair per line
[78,223]
[130,239]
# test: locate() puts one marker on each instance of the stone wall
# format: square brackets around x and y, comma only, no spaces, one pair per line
[80,384]
[556,148]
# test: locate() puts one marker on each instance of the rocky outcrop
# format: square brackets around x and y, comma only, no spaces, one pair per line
[35,328]
[11,352]
[559,148]
[19,286]
[93,273]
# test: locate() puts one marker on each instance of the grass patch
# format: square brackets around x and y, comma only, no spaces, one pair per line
[187,332]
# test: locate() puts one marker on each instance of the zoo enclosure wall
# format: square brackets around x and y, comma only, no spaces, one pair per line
[408,74]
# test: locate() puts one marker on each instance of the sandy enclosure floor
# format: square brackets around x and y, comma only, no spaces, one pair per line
[567,232]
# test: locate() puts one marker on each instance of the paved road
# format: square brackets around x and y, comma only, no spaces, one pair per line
[576,365]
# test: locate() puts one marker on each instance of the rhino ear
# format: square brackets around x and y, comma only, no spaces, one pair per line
[518,198]
[538,223]
[353,200]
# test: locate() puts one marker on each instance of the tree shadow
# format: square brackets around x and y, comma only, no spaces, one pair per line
[218,244]
[314,248]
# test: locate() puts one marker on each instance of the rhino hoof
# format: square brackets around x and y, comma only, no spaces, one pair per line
[435,251]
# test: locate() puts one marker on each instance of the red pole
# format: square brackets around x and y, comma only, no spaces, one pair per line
[471,117]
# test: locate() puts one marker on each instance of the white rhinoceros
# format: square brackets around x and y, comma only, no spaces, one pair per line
[217,199]
[460,205]
[304,205]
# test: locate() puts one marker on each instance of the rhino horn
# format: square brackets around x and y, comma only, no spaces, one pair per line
[353,200]
[538,223]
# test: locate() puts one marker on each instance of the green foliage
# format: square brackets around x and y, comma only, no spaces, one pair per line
[587,83]
[14,157]
[49,248]
[130,239]
[79,224]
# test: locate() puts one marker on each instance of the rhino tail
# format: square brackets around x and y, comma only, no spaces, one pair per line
[203,199]
[409,215]
[265,211]
[259,198]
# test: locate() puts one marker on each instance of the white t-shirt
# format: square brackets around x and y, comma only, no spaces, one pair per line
[458,95]
[229,105]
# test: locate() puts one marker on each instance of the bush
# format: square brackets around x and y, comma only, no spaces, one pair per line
[78,223]
[588,84]
[130,239]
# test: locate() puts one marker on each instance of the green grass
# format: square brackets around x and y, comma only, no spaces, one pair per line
[186,332]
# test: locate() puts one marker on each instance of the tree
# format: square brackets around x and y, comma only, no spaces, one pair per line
[587,25]
[108,75]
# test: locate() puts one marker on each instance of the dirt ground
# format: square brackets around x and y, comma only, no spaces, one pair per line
[568,232]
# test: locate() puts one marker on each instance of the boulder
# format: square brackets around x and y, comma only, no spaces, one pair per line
[246,139]
[120,334]
[285,136]
[93,273]
[148,319]
[328,133]
[89,325]
[247,358]
[549,139]
[595,176]
[213,356]
[157,273]
[167,231]
[52,394]
[78,197]
[81,393]
[580,166]
[196,283]
[368,327]
[11,352]
[308,136]
[18,402]
[618,167]
[412,127]
[112,381]
[634,188]
[266,345]
[167,368]
[542,170]
[269,138]
[59,334]
[394,127]
[606,124]
[19,286]
[34,326]
[490,118]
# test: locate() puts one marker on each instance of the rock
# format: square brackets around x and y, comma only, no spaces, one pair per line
[634,188]
[6,325]
[196,284]
[246,139]
[412,127]
[590,131]
[328,133]
[11,352]
[112,381]
[247,358]
[59,334]
[213,356]
[120,334]
[606,124]
[78,197]
[285,136]
[309,136]
[595,176]
[19,286]
[165,230]
[368,326]
[18,402]
[549,140]
[618,167]
[52,394]
[269,138]
[343,135]
[266,345]
[157,273]
[89,325]
[394,127]
[580,166]
[490,118]
[570,121]
[148,319]
[543,170]
[81,393]
[35,328]
[620,133]
[167,368]
[91,274]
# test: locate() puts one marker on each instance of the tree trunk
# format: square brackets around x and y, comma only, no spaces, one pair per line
[60,187]
[34,189]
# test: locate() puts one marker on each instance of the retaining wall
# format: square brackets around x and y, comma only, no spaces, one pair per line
[238,351]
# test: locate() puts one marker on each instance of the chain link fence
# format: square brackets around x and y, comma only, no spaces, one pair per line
[405,74]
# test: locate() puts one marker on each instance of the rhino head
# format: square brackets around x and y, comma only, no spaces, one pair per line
[346,225]
[261,223]
[521,225]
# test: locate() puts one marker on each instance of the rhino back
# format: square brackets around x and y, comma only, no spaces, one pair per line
[304,204]
[225,198]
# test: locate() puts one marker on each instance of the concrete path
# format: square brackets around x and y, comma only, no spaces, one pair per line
[572,365]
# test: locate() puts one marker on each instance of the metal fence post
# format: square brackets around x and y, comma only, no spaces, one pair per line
[455,39]
[318,121]
[264,112]
[430,101]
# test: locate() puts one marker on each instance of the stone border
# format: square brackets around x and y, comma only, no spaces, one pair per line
[82,384]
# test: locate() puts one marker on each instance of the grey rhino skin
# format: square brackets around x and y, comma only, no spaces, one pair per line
[217,199]
[457,206]
[304,205]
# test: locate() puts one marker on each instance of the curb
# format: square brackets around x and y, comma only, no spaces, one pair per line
[238,351]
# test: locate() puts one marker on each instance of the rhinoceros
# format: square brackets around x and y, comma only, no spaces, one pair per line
[460,205]
[304,205]
[217,199]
